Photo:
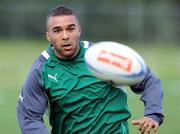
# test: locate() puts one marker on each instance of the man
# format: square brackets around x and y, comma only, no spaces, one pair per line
[79,103]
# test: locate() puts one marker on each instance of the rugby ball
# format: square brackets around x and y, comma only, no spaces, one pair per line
[116,63]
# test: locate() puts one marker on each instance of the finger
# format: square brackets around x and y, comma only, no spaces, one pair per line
[156,126]
[152,125]
[135,122]
[143,130]
[144,127]
[141,123]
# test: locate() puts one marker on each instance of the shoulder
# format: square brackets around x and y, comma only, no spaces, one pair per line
[34,74]
[86,44]
[38,63]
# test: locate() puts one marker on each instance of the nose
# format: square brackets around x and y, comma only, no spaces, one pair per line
[65,35]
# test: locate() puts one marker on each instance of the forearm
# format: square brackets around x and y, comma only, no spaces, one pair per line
[152,96]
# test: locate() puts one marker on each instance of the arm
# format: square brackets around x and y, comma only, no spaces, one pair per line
[152,96]
[32,104]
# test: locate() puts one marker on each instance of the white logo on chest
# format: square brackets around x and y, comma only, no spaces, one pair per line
[52,77]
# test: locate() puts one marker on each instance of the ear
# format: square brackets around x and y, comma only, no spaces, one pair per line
[47,37]
[79,31]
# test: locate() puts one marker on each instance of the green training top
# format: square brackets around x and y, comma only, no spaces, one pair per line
[79,102]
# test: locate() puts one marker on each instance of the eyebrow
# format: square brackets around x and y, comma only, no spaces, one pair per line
[58,27]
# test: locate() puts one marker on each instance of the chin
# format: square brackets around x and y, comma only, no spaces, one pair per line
[69,55]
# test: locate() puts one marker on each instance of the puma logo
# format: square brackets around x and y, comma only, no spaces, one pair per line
[52,77]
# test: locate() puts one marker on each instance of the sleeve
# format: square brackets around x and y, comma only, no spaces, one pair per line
[32,104]
[152,96]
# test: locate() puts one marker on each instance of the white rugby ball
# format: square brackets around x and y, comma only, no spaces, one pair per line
[115,62]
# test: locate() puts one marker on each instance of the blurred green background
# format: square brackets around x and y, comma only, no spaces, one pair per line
[150,27]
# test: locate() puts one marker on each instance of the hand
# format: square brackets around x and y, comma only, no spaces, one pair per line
[146,124]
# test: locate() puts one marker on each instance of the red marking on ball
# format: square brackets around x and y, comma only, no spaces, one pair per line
[115,60]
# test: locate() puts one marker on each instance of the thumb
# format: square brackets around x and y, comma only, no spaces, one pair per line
[135,122]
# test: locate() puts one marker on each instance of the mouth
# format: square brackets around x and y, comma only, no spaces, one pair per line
[67,46]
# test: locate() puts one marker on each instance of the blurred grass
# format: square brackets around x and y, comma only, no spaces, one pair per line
[16,57]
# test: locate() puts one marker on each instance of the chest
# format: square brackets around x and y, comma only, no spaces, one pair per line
[72,80]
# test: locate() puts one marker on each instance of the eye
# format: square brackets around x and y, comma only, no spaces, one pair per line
[57,30]
[71,29]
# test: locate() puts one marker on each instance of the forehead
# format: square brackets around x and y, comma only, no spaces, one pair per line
[62,21]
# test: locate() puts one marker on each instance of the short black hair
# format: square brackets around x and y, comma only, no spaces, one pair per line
[60,11]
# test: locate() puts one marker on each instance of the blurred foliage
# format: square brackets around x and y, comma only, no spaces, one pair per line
[138,20]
